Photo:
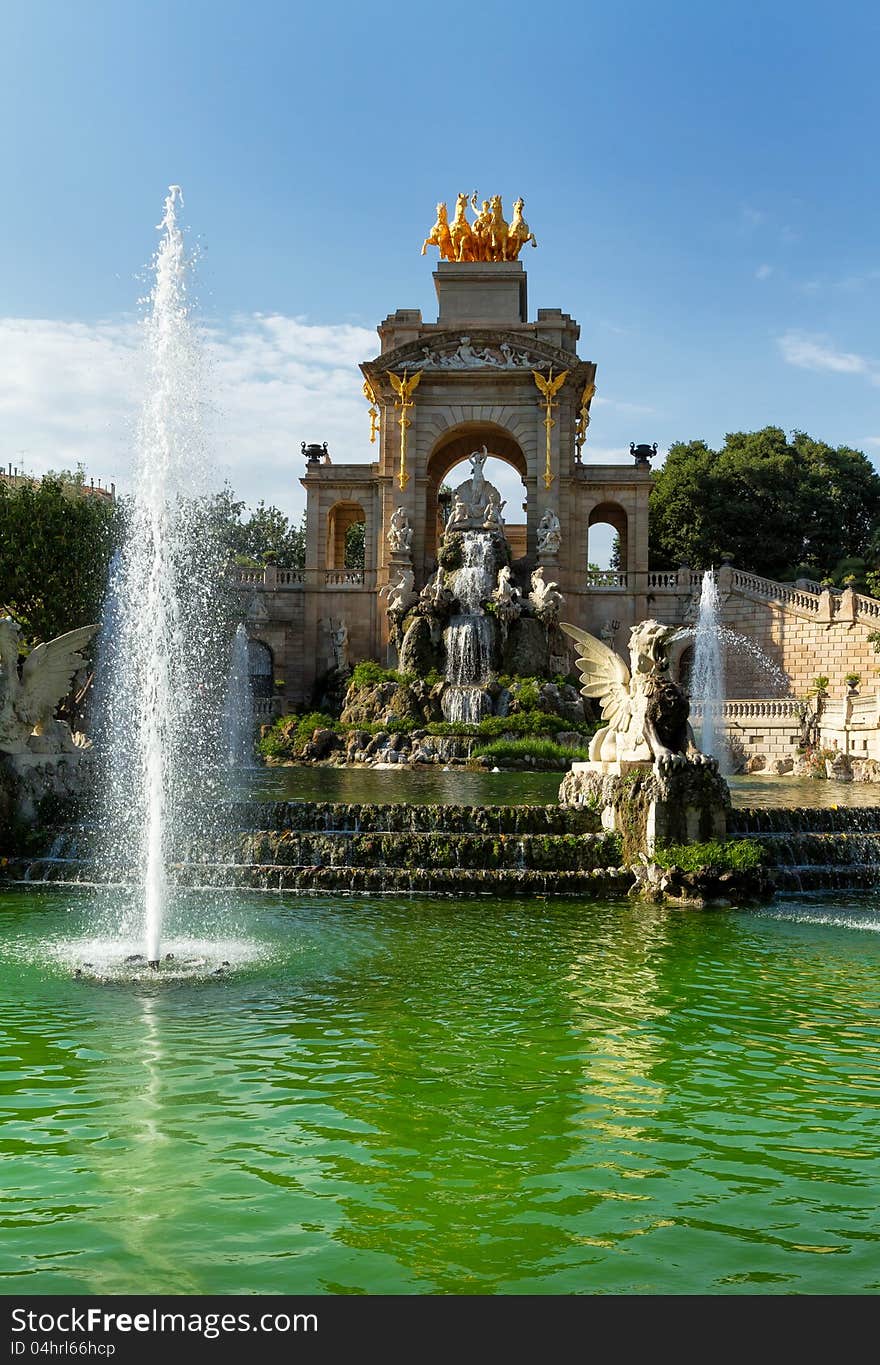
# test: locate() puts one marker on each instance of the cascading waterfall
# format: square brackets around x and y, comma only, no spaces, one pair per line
[238,708]
[163,698]
[468,637]
[707,677]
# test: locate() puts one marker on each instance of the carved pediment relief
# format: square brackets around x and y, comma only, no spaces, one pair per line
[474,350]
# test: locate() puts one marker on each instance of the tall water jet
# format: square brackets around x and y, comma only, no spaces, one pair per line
[161,723]
[707,676]
[238,708]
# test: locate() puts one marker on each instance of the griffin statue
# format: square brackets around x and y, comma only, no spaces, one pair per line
[646,712]
[28,699]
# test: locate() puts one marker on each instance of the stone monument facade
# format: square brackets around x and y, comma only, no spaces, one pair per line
[482,377]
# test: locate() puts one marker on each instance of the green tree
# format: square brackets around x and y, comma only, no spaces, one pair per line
[55,549]
[263,536]
[354,545]
[777,505]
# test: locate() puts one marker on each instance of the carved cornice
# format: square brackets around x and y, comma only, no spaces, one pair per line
[476,351]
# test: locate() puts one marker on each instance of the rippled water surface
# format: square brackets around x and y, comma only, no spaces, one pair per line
[419,1096]
[435,786]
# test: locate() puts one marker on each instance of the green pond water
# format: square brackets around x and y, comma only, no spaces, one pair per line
[459,786]
[416,1096]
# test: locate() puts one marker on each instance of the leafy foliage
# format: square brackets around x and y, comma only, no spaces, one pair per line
[55,550]
[774,504]
[291,733]
[264,536]
[354,545]
[737,855]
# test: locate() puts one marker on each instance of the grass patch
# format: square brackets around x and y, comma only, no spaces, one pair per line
[737,855]
[544,753]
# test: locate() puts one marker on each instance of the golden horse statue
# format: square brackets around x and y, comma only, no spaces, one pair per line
[518,234]
[497,231]
[461,232]
[488,238]
[440,235]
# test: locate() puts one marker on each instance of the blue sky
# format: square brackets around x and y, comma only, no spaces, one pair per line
[701,180]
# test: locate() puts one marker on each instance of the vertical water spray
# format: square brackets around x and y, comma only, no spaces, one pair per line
[468,637]
[238,709]
[161,725]
[707,676]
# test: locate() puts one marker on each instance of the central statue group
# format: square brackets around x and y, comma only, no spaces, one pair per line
[488,238]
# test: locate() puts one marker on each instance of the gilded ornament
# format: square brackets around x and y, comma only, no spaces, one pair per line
[549,388]
[583,417]
[404,387]
[373,410]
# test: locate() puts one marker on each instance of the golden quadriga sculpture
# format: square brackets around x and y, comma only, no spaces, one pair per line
[488,238]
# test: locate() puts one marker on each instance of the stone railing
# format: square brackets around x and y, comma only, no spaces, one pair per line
[752,584]
[344,578]
[765,709]
[270,578]
[263,708]
[606,578]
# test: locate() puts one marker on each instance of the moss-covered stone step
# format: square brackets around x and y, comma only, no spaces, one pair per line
[746,821]
[363,817]
[541,852]
[594,884]
[820,849]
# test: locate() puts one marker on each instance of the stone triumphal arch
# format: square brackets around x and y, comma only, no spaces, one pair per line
[482,375]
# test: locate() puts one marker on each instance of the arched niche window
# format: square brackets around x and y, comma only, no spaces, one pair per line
[607,546]
[346,527]
[261,668]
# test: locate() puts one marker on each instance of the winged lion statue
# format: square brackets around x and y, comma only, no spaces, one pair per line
[646,713]
[28,698]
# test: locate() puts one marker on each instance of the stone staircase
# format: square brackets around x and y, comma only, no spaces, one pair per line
[815,848]
[374,849]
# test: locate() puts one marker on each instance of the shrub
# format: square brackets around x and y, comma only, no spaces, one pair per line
[853,679]
[368,674]
[738,855]
[291,733]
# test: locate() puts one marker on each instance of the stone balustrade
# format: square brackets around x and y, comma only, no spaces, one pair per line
[606,578]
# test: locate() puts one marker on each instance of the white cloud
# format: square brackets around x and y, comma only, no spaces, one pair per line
[763,272]
[71,394]
[814,352]
[871,441]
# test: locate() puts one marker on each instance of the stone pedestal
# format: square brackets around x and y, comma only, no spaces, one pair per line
[652,807]
[480,292]
[25,779]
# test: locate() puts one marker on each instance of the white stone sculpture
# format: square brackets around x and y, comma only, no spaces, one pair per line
[549,533]
[434,593]
[544,598]
[459,517]
[400,593]
[400,535]
[492,518]
[475,499]
[646,713]
[28,699]
[339,644]
[466,357]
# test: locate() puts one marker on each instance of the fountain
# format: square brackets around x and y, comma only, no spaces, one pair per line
[162,699]
[238,708]
[469,636]
[707,678]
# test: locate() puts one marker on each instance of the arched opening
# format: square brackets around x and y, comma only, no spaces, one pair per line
[261,668]
[346,526]
[506,468]
[607,546]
